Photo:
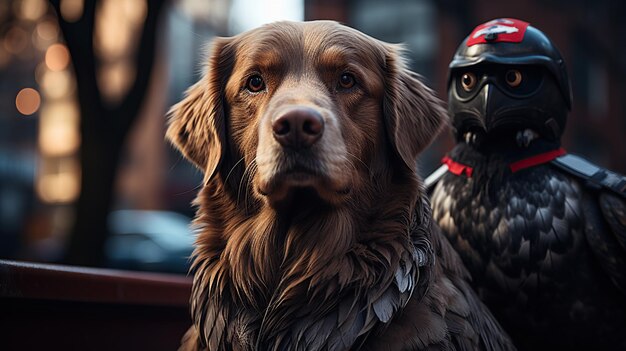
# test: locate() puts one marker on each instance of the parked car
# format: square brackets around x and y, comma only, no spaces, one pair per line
[149,241]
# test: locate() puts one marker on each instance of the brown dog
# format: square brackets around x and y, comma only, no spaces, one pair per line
[312,229]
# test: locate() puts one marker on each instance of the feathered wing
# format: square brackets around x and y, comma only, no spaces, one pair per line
[341,312]
[191,340]
[470,324]
[604,210]
[218,323]
[342,318]
[606,234]
[211,317]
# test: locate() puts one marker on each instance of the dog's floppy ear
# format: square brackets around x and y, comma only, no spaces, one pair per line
[196,125]
[413,114]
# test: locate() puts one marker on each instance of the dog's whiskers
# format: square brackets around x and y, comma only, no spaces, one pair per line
[197,187]
[358,159]
[243,176]
[251,173]
[232,169]
[247,176]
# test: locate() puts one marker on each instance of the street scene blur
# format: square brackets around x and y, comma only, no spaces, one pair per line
[86,176]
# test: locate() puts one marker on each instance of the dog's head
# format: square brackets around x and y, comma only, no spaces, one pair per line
[313,106]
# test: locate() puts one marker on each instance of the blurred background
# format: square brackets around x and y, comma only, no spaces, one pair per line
[85,175]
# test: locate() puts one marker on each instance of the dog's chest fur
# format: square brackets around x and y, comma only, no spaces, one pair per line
[281,283]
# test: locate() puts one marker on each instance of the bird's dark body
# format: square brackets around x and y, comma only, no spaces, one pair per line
[531,241]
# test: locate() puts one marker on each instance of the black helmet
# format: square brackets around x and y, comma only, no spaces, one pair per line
[507,73]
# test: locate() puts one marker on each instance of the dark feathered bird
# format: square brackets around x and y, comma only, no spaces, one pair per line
[543,233]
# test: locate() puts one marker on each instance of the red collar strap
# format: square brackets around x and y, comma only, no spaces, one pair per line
[536,160]
[457,168]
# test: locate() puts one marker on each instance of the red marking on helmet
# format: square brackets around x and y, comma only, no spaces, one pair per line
[502,30]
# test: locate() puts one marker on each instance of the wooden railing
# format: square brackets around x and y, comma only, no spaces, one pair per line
[54,307]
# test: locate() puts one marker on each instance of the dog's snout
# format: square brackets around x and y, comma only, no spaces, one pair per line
[298,128]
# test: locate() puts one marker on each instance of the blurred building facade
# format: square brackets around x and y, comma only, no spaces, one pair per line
[37,150]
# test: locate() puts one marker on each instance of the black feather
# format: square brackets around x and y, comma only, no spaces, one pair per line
[546,253]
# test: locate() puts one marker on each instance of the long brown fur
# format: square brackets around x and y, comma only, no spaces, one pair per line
[351,260]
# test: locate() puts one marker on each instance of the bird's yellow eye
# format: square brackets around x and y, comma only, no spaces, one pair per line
[513,78]
[468,81]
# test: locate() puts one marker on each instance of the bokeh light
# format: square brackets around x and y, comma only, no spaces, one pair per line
[31,9]
[112,35]
[27,101]
[15,40]
[118,23]
[57,57]
[58,129]
[72,10]
[47,30]
[40,71]
[115,79]
[135,11]
[56,84]
[45,34]
[59,180]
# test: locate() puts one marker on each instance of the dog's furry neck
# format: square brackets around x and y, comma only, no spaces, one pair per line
[278,270]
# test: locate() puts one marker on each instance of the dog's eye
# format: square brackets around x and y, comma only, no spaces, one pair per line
[346,81]
[255,83]
[513,78]
[468,81]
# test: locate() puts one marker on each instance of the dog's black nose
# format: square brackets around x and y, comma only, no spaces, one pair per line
[298,128]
